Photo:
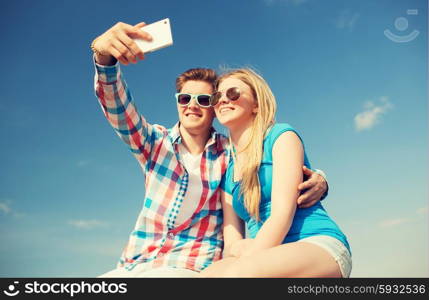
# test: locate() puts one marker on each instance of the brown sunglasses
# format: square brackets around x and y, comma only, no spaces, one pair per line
[231,94]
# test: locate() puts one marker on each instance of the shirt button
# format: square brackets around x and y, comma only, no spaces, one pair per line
[170,235]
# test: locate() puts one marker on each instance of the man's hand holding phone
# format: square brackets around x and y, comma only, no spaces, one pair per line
[118,43]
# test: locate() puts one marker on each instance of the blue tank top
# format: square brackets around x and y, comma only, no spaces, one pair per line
[306,222]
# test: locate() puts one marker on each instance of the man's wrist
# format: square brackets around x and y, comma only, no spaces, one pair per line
[321,173]
[105,60]
[105,73]
[102,58]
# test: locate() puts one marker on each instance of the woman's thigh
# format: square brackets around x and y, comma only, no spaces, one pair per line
[296,259]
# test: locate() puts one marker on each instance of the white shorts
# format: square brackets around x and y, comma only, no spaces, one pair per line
[336,248]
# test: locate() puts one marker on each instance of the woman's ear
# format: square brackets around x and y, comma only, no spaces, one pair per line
[255,109]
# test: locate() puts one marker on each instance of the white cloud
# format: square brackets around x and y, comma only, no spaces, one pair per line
[398,221]
[347,20]
[395,247]
[5,208]
[423,210]
[393,222]
[87,224]
[371,115]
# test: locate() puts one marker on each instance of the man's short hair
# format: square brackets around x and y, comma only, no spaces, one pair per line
[196,74]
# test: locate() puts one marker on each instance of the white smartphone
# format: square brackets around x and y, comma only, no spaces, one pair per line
[161,36]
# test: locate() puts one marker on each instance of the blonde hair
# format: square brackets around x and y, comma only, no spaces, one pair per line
[265,117]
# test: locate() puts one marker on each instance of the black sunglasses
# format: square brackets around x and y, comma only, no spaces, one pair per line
[232,94]
[184,99]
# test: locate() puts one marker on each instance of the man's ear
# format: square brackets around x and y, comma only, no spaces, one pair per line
[214,114]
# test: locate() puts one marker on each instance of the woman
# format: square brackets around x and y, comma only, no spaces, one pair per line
[260,189]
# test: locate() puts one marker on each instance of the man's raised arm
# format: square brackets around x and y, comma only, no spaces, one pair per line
[117,44]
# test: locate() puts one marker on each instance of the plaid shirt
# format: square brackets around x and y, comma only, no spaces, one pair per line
[156,239]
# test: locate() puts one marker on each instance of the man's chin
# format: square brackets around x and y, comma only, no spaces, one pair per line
[195,127]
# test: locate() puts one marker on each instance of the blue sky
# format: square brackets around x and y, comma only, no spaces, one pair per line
[70,191]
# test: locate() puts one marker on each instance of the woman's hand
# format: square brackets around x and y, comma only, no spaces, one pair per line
[239,247]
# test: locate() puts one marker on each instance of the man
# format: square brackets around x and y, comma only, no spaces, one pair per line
[179,229]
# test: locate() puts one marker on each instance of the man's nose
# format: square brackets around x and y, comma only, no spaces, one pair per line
[193,103]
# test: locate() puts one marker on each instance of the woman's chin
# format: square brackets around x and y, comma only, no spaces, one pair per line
[227,122]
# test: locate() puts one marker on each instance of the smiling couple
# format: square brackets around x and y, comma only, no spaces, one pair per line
[202,187]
